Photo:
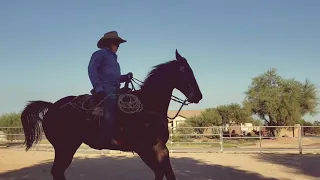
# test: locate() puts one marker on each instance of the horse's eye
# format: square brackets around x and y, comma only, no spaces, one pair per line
[182,68]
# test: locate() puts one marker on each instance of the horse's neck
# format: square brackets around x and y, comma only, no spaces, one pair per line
[157,91]
[157,99]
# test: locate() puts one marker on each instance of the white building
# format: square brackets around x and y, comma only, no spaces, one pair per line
[183,115]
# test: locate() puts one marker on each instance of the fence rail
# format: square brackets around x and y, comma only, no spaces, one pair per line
[220,138]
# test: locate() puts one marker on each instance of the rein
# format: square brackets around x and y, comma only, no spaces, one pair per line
[174,98]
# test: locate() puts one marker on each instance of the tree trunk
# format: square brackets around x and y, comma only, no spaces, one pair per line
[272,129]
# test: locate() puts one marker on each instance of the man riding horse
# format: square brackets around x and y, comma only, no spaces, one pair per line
[66,125]
[105,76]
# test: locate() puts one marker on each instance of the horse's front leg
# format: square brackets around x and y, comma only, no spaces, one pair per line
[163,158]
[148,156]
[157,158]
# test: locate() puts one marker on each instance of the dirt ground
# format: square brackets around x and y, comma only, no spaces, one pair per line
[17,164]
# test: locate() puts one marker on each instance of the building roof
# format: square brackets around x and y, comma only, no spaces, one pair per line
[185,113]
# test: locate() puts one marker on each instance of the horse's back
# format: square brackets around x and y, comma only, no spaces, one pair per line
[64,100]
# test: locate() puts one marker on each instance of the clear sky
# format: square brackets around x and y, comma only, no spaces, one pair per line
[45,46]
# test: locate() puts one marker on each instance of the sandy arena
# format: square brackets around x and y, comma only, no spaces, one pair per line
[16,164]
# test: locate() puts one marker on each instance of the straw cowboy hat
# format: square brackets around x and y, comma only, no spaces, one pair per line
[110,36]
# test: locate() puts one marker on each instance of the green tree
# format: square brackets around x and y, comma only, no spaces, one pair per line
[10,123]
[315,130]
[255,122]
[10,120]
[316,123]
[233,114]
[308,130]
[280,101]
[209,117]
[308,100]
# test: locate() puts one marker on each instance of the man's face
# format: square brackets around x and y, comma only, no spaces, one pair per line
[114,47]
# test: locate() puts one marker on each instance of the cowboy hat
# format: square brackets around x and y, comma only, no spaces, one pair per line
[113,36]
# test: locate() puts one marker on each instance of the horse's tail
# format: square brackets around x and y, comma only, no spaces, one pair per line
[31,119]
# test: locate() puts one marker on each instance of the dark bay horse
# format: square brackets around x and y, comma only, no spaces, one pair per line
[67,123]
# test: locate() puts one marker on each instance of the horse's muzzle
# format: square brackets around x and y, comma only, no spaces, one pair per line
[192,98]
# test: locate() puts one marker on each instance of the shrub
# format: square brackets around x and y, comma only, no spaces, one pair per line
[10,124]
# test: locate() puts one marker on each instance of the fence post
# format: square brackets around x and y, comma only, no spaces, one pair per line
[299,137]
[171,138]
[221,138]
[260,137]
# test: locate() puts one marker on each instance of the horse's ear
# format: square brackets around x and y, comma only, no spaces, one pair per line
[178,56]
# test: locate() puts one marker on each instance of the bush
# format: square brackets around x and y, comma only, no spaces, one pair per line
[10,120]
[10,124]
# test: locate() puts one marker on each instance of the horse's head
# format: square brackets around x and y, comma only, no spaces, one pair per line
[175,74]
[184,80]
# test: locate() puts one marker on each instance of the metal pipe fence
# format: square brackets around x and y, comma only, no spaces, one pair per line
[261,139]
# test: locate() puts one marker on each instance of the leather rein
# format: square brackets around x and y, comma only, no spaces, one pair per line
[174,98]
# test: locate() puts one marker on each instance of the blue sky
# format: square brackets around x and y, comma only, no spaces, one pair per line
[45,47]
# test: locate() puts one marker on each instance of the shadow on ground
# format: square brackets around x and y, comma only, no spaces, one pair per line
[303,164]
[121,167]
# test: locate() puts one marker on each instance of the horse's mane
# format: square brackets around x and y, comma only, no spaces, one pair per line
[156,72]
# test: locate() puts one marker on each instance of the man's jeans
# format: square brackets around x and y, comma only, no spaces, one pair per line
[110,106]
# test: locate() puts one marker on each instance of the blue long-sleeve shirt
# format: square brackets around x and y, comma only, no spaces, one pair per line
[104,70]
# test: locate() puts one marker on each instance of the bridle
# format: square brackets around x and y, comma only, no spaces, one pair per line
[174,98]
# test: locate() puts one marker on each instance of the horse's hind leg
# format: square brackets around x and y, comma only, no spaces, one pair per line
[62,160]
